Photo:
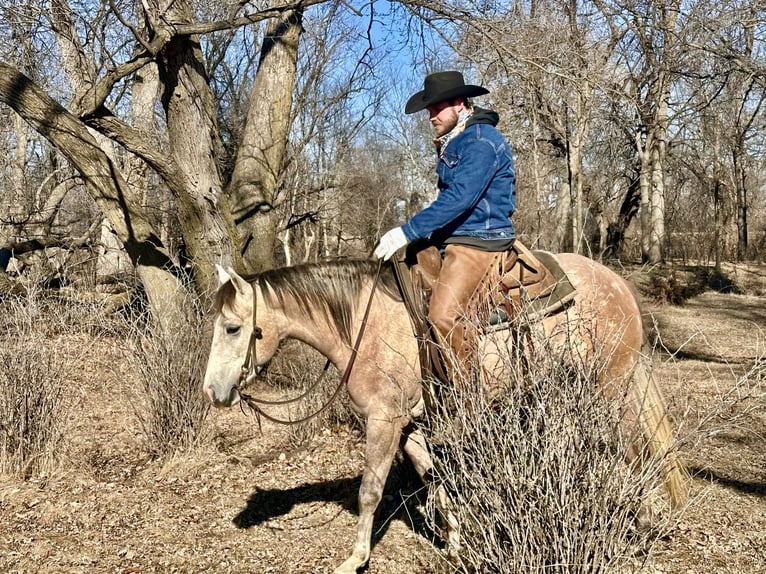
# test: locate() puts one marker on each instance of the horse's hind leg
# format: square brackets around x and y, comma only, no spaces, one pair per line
[415,447]
[382,443]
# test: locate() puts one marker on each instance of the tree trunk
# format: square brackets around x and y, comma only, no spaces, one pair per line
[644,185]
[574,169]
[192,134]
[19,201]
[628,210]
[577,135]
[657,201]
[740,182]
[261,153]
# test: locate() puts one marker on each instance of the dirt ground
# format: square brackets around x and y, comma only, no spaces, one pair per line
[249,501]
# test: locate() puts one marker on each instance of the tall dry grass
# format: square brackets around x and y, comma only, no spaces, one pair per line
[168,356]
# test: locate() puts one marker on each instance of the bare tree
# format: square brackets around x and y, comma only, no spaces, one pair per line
[94,133]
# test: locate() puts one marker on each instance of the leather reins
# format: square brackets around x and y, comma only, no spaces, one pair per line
[245,376]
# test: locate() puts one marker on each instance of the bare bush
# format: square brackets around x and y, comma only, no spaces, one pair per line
[33,405]
[537,475]
[169,360]
[737,408]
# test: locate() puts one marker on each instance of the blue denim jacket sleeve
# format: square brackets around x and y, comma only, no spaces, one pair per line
[463,179]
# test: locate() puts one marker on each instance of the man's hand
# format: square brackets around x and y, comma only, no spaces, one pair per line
[390,243]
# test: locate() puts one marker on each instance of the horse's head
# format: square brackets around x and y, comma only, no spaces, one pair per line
[236,303]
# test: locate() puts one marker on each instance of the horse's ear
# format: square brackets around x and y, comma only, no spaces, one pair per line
[223,276]
[226,275]
[242,286]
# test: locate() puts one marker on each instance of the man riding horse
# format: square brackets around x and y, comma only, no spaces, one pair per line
[470,220]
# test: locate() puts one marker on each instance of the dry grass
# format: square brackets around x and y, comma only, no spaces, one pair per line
[170,361]
[34,362]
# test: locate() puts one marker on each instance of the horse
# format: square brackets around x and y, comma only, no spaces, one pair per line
[325,304]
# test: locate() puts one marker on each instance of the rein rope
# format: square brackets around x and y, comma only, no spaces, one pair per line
[245,376]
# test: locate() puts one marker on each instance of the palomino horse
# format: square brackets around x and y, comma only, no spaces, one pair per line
[323,305]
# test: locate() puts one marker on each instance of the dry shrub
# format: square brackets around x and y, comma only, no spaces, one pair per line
[536,474]
[169,359]
[33,367]
[736,409]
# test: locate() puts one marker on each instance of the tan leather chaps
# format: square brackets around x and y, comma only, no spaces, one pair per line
[461,273]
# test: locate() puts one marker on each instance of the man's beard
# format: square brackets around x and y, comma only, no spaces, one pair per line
[448,126]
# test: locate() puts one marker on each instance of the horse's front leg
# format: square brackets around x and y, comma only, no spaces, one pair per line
[383,434]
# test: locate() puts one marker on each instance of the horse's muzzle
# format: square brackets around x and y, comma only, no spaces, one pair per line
[229,400]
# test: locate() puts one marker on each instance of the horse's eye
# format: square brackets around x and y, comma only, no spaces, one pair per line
[232,329]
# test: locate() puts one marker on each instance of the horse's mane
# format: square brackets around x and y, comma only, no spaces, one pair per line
[328,290]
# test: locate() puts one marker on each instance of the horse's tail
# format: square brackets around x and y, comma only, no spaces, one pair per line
[659,432]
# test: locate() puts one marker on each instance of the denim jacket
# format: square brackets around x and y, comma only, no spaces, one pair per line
[477,186]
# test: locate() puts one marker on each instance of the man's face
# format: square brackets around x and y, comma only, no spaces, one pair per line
[444,115]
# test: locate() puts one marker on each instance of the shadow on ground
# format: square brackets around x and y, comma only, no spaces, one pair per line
[402,500]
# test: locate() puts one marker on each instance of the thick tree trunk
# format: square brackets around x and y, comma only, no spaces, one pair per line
[192,132]
[161,281]
[264,140]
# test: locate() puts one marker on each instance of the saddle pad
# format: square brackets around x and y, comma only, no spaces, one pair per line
[559,293]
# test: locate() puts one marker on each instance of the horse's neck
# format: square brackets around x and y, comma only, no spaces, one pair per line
[315,332]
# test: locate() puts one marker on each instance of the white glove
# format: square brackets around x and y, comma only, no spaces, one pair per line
[390,243]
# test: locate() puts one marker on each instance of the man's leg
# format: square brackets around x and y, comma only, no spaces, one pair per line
[462,271]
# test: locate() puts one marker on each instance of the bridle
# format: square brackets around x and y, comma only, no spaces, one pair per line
[248,373]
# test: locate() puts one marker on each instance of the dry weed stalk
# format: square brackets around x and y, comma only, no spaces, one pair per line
[33,366]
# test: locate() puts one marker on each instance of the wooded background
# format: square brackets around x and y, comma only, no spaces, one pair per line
[146,141]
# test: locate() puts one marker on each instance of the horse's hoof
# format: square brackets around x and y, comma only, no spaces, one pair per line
[350,566]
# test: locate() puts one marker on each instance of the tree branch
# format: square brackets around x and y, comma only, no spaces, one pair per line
[135,141]
[208,27]
[71,137]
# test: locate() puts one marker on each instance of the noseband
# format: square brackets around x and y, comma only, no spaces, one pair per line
[247,376]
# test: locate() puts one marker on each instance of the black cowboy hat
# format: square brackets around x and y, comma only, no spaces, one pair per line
[440,87]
